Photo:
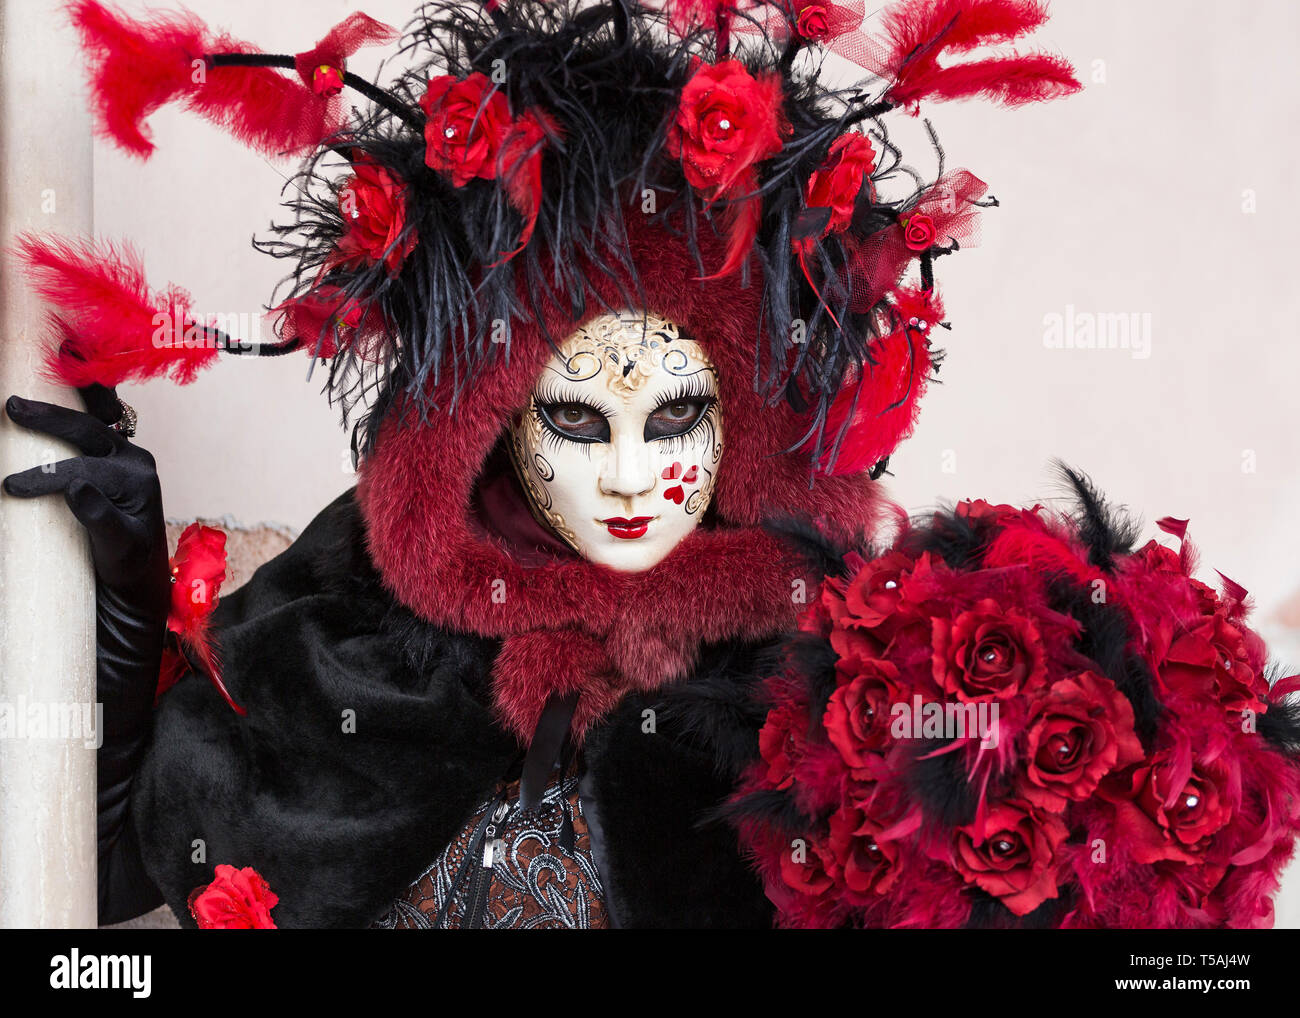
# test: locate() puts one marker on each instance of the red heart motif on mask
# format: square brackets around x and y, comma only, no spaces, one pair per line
[690,475]
[674,471]
[675,494]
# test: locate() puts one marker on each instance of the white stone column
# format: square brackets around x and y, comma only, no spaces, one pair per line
[47,609]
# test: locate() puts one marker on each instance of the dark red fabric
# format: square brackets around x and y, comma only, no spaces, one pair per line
[501,510]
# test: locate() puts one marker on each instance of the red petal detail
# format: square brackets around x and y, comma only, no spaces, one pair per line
[1233,589]
[1173,525]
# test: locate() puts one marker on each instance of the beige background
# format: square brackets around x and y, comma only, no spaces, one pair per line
[1163,190]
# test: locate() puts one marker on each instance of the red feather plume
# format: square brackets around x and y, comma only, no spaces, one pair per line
[198,569]
[135,66]
[138,65]
[877,409]
[919,33]
[110,327]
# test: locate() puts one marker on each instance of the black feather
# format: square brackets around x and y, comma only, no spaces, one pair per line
[1280,724]
[1105,531]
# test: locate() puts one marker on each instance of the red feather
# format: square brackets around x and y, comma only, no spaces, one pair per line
[137,66]
[111,328]
[920,32]
[263,109]
[1173,525]
[198,570]
[745,215]
[519,165]
[877,410]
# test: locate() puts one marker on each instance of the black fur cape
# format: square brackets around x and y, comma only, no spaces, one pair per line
[369,739]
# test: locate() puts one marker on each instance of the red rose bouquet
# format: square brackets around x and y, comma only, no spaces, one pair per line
[1013,719]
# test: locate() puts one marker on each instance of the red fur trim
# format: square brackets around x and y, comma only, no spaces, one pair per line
[732,581]
[109,319]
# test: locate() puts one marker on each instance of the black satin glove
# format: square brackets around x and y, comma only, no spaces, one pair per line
[113,490]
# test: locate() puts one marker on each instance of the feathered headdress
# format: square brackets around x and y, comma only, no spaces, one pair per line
[497,174]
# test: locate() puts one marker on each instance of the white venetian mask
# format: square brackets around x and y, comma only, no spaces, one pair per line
[619,445]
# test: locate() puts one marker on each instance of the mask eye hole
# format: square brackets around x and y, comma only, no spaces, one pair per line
[676,417]
[575,421]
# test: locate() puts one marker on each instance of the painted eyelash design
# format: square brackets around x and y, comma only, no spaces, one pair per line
[552,393]
[692,387]
[676,443]
[549,395]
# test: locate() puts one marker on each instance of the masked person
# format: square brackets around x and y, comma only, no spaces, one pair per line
[630,332]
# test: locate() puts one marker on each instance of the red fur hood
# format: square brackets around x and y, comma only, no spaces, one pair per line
[568,623]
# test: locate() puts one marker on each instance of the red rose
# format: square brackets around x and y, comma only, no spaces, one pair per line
[198,569]
[467,121]
[987,654]
[849,638]
[858,712]
[814,22]
[323,315]
[865,862]
[1212,660]
[1012,854]
[807,867]
[726,122]
[852,643]
[837,183]
[373,206]
[781,743]
[873,594]
[1170,807]
[918,231]
[326,81]
[1077,734]
[235,900]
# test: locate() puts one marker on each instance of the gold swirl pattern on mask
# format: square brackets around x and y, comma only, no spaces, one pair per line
[630,349]
[534,469]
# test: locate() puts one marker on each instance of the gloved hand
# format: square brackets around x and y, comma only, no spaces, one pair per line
[113,490]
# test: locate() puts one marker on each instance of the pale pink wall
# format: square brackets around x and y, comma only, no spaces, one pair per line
[1163,190]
